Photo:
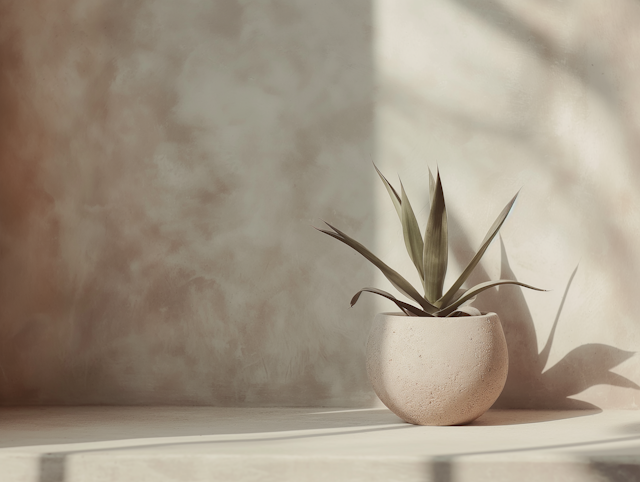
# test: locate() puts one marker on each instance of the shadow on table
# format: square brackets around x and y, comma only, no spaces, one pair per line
[37,426]
[441,469]
[53,464]
[163,426]
[615,464]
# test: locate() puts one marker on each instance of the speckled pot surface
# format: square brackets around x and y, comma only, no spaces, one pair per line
[437,371]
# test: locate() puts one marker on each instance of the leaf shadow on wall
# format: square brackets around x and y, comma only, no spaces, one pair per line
[528,385]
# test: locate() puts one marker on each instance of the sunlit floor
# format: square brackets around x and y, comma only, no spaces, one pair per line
[140,444]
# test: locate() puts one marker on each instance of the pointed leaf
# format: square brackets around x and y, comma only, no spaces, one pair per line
[470,293]
[394,277]
[412,236]
[392,193]
[432,185]
[497,224]
[435,255]
[408,309]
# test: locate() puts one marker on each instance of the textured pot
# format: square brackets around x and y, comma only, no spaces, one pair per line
[437,371]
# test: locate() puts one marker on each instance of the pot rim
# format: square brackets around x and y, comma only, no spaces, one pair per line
[399,314]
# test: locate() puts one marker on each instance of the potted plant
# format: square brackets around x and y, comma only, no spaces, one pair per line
[439,361]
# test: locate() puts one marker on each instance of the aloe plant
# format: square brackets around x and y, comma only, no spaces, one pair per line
[430,257]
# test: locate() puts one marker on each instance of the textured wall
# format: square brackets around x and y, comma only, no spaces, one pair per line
[161,166]
[543,95]
[162,162]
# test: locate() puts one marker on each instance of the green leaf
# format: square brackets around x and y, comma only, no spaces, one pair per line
[394,277]
[432,186]
[470,293]
[392,193]
[411,231]
[408,309]
[493,231]
[436,254]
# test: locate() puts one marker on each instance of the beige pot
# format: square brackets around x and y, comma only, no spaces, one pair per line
[437,371]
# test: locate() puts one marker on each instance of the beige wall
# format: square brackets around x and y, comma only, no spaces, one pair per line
[543,95]
[162,162]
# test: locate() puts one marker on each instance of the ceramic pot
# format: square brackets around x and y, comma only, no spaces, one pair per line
[437,371]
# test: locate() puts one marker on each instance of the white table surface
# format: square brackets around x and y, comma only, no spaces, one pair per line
[171,444]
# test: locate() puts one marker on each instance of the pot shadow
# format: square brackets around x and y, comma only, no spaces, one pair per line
[511,416]
[529,385]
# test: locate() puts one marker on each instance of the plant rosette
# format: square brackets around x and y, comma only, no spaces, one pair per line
[440,361]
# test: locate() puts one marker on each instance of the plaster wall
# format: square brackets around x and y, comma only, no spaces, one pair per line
[162,163]
[543,96]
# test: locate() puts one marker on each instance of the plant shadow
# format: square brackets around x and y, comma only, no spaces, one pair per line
[529,385]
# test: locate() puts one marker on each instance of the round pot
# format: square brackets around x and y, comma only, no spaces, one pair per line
[437,371]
